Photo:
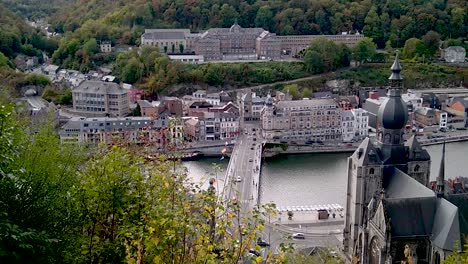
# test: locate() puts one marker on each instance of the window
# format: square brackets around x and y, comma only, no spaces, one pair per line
[416,168]
[371,171]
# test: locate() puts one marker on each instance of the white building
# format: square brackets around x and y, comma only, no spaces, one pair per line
[455,54]
[354,125]
[443,119]
[213,98]
[193,59]
[347,126]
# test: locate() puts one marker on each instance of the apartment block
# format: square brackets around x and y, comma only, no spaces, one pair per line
[99,99]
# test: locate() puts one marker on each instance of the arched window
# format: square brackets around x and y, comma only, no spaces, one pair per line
[371,171]
[416,168]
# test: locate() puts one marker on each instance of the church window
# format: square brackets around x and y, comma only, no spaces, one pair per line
[396,139]
[416,168]
[371,171]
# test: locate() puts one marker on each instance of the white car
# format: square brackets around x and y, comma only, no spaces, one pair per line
[298,236]
[238,179]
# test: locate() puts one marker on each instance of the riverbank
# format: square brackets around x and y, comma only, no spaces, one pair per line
[273,150]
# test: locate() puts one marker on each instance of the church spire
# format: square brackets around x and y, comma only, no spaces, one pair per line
[395,79]
[440,191]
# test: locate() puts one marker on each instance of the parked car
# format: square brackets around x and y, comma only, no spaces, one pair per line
[250,160]
[238,179]
[309,142]
[298,236]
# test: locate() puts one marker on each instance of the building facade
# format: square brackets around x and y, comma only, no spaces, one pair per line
[108,130]
[97,98]
[391,214]
[167,40]
[235,43]
[314,119]
[455,54]
[354,125]
[106,46]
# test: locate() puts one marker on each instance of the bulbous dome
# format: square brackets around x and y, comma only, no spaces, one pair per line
[393,113]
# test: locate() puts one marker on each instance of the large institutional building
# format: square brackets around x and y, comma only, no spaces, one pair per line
[235,42]
[392,216]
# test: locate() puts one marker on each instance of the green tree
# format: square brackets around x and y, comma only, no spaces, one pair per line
[364,50]
[458,257]
[228,15]
[432,41]
[293,90]
[372,28]
[307,93]
[4,61]
[264,18]
[415,48]
[91,46]
[181,48]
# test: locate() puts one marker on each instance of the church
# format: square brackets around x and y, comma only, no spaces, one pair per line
[392,216]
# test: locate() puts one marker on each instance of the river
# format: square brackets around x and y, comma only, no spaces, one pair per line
[313,179]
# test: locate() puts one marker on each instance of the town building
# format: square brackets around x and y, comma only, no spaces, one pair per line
[313,119]
[198,108]
[459,108]
[106,46]
[97,98]
[113,130]
[392,216]
[428,117]
[219,126]
[250,106]
[234,43]
[455,54]
[354,125]
[192,130]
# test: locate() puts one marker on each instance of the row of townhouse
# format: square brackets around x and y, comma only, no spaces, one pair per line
[112,130]
[318,120]
[212,126]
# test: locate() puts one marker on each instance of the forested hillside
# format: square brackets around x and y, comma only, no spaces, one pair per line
[35,9]
[18,37]
[388,20]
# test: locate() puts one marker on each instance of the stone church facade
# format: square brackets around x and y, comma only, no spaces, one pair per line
[391,214]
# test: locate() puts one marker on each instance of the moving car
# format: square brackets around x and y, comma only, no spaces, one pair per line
[298,236]
[262,243]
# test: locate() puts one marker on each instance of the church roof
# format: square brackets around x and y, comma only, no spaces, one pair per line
[414,210]
[446,230]
[400,185]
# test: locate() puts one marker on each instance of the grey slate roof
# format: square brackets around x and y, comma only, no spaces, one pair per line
[414,210]
[99,87]
[306,103]
[402,186]
[446,230]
